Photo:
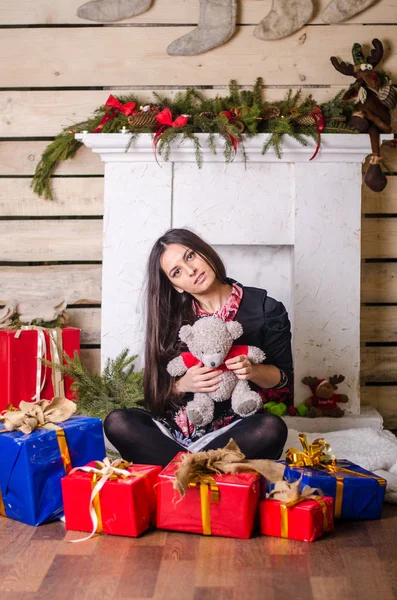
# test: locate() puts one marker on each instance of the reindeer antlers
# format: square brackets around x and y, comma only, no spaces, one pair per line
[311,381]
[376,54]
[342,67]
[336,379]
[373,59]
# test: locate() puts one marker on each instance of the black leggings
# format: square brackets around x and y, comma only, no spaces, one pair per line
[138,439]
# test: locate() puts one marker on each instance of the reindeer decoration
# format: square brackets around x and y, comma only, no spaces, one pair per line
[323,401]
[374,97]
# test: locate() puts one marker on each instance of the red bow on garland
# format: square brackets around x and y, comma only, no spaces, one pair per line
[164,118]
[319,120]
[113,107]
[231,118]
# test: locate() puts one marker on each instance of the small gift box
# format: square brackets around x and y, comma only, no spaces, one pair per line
[305,519]
[117,498]
[357,493]
[33,464]
[23,375]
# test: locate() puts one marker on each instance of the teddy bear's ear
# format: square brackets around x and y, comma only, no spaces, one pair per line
[235,329]
[185,333]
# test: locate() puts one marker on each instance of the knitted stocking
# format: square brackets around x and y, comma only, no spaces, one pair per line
[285,17]
[112,10]
[340,10]
[217,23]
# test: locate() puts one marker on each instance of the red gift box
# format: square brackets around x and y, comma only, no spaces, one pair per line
[227,507]
[20,368]
[306,521]
[124,506]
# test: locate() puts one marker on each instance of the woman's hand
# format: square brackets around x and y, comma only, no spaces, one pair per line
[198,379]
[241,366]
[265,376]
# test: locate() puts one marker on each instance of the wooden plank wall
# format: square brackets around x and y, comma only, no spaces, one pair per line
[56,68]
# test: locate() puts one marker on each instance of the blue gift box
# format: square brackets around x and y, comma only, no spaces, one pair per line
[31,467]
[355,497]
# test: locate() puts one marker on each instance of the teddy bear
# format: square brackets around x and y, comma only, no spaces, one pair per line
[323,401]
[210,341]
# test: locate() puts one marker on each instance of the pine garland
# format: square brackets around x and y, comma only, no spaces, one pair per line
[240,113]
[119,386]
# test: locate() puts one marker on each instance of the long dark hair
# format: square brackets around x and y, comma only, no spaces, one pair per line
[166,311]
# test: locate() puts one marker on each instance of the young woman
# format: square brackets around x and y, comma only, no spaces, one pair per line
[187,280]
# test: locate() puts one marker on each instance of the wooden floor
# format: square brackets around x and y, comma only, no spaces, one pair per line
[358,560]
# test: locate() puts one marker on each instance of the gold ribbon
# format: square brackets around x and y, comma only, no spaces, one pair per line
[96,503]
[103,472]
[2,507]
[318,456]
[62,443]
[56,351]
[206,484]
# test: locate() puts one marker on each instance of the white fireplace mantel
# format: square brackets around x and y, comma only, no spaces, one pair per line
[291,226]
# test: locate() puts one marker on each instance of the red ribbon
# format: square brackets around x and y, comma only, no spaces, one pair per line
[231,118]
[113,107]
[164,118]
[320,124]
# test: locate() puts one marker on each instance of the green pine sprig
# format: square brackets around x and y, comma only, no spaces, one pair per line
[119,385]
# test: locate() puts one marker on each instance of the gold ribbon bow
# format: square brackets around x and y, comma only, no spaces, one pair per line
[206,484]
[102,472]
[56,352]
[315,454]
[318,456]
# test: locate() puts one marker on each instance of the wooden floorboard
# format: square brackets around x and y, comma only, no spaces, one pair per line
[357,561]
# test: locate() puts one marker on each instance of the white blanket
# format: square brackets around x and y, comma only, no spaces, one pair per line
[375,450]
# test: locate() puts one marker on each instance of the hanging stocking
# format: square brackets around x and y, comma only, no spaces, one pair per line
[217,23]
[341,10]
[112,10]
[285,17]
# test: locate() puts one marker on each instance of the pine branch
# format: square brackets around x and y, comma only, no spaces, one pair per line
[119,386]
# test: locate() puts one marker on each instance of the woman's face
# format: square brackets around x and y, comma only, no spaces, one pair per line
[186,270]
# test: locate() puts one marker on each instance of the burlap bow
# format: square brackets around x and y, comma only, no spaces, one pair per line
[31,415]
[225,460]
[289,493]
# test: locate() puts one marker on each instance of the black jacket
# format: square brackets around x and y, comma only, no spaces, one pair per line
[266,325]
